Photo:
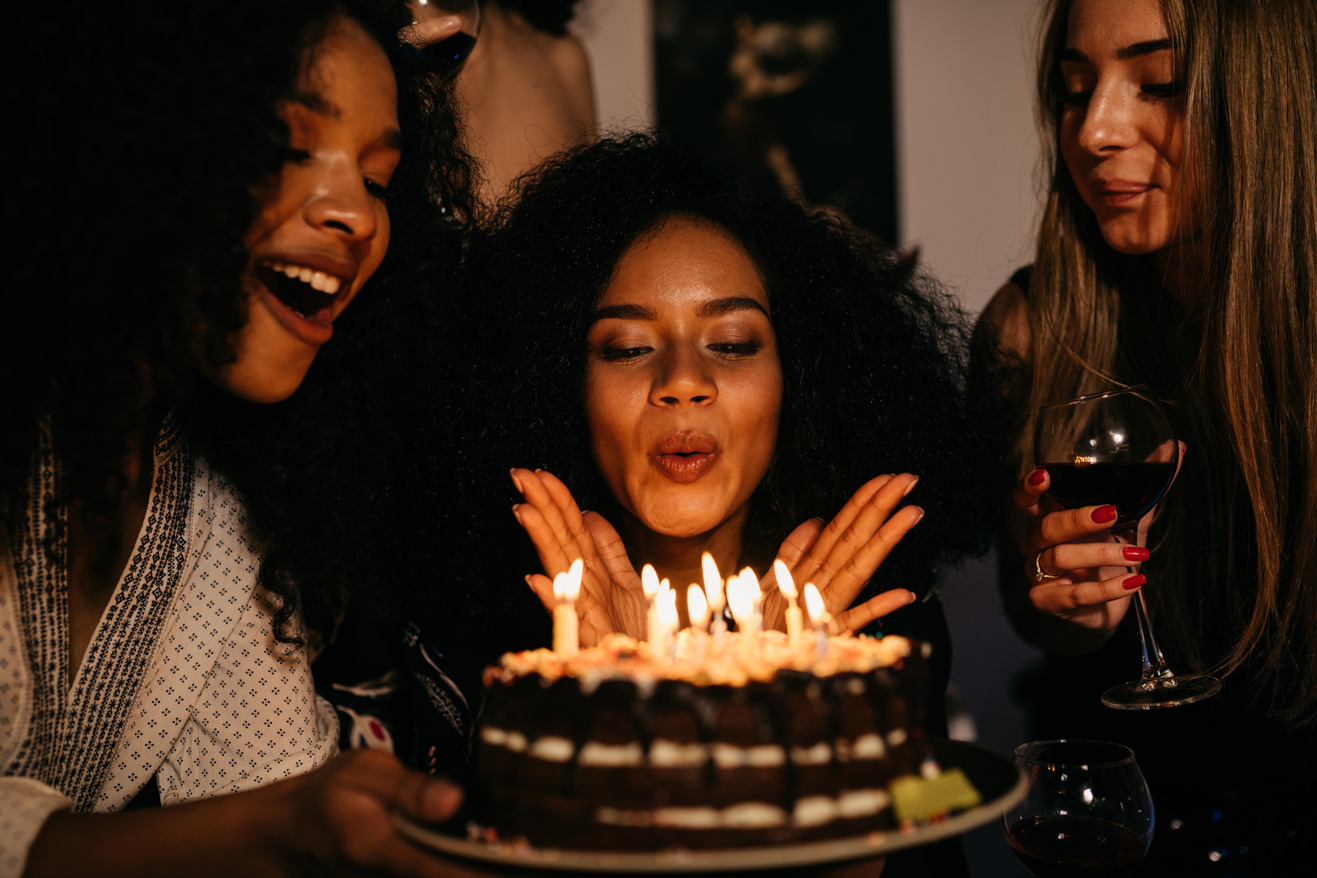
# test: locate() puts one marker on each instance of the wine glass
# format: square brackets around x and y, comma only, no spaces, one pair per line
[1118,448]
[445,52]
[1086,810]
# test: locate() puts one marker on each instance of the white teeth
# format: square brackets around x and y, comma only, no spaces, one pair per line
[317,280]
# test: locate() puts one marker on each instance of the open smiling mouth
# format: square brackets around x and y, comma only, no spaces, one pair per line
[305,291]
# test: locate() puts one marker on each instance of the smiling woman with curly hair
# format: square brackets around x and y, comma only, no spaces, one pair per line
[202,193]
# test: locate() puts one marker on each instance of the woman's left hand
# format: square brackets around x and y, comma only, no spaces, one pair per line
[841,557]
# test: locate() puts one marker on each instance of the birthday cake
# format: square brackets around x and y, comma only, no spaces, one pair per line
[711,743]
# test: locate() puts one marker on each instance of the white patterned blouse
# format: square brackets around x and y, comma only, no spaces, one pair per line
[183,681]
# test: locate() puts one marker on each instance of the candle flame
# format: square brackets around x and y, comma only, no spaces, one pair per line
[667,608]
[713,584]
[784,580]
[755,589]
[567,586]
[814,603]
[740,597]
[698,606]
[649,581]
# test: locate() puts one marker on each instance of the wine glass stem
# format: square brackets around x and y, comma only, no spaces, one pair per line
[1154,663]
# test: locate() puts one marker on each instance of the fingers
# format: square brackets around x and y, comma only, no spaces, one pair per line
[1028,493]
[800,541]
[851,547]
[1066,558]
[1092,604]
[862,615]
[552,519]
[1066,525]
[359,792]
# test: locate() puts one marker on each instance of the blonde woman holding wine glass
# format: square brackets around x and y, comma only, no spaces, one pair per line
[1178,249]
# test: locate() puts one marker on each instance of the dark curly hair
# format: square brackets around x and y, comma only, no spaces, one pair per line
[143,137]
[415,517]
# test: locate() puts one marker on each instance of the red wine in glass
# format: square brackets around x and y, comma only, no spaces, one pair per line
[1133,488]
[1086,810]
[1071,846]
[1118,448]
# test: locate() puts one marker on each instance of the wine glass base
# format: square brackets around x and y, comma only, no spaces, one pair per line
[1166,692]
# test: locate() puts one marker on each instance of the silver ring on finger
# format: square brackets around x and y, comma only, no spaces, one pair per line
[1040,575]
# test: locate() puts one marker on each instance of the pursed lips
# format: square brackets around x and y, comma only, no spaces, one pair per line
[684,458]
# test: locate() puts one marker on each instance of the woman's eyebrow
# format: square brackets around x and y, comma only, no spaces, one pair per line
[729,304]
[624,312]
[1135,50]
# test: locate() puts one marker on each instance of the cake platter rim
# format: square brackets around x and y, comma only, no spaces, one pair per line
[971,758]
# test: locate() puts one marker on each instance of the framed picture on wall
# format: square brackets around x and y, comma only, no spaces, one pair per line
[787,95]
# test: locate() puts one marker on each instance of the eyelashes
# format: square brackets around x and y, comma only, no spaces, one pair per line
[1158,90]
[725,350]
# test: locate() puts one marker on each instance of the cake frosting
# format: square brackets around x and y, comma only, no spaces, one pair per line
[712,743]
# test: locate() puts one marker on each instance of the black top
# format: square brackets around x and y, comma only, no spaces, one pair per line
[1234,791]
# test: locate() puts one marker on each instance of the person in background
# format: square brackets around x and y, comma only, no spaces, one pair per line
[526,89]
[203,193]
[1178,249]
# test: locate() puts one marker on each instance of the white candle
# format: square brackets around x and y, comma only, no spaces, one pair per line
[649,583]
[787,585]
[818,617]
[697,605]
[755,590]
[713,589]
[740,598]
[566,588]
[668,620]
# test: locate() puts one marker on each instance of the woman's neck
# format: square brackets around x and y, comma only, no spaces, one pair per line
[680,559]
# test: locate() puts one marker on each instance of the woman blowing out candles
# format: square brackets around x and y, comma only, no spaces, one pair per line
[192,230]
[705,373]
[1178,249]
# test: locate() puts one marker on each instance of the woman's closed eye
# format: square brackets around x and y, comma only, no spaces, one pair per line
[736,349]
[621,353]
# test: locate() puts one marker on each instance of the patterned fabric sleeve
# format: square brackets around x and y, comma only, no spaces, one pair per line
[257,719]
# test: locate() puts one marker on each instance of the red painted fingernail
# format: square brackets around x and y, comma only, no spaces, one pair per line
[1132,582]
[1037,477]
[1103,514]
[1134,553]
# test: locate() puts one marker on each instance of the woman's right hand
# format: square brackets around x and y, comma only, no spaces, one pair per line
[612,597]
[337,820]
[1073,569]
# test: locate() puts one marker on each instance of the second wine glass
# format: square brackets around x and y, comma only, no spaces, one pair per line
[1086,811]
[1118,448]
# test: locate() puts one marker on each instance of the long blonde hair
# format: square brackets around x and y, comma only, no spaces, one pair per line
[1240,367]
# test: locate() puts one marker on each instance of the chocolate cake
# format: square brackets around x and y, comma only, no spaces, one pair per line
[708,746]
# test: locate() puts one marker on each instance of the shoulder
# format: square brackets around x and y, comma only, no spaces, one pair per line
[1006,318]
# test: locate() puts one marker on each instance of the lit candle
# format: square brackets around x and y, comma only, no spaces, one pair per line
[818,617]
[649,583]
[566,588]
[755,590]
[697,605]
[740,597]
[787,586]
[713,589]
[668,620]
